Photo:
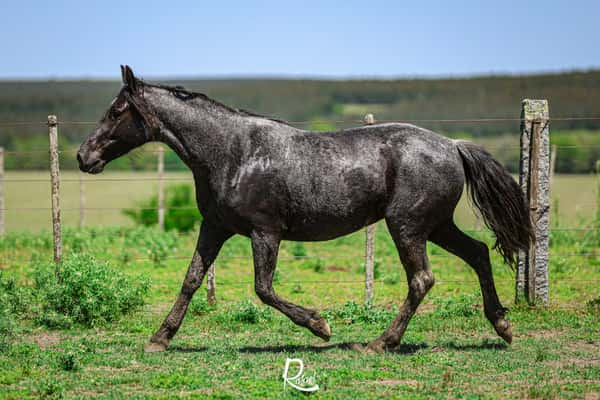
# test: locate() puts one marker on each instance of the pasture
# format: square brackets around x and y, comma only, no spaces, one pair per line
[573,197]
[237,349]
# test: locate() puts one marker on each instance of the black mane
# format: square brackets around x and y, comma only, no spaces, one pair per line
[184,94]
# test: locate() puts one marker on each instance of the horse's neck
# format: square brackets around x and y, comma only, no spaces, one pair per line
[197,132]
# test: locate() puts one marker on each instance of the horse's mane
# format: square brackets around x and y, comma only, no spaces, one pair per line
[183,94]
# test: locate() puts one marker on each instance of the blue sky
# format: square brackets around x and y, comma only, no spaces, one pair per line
[71,39]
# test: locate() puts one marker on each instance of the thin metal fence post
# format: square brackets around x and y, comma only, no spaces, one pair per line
[369,119]
[55,186]
[161,188]
[1,191]
[534,178]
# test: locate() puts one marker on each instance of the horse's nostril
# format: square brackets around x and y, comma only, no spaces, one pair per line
[79,159]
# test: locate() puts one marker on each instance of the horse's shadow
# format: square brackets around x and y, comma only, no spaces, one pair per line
[402,349]
[405,348]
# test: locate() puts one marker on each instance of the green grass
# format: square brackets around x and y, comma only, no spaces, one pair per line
[237,349]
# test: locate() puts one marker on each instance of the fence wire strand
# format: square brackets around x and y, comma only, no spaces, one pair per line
[341,121]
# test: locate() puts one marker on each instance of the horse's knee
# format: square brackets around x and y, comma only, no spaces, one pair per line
[264,293]
[421,282]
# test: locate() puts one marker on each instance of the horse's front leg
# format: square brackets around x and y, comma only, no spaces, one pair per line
[265,247]
[209,243]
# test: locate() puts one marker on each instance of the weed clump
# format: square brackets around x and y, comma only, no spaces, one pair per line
[14,302]
[298,250]
[156,245]
[593,306]
[462,305]
[200,305]
[246,312]
[351,313]
[81,290]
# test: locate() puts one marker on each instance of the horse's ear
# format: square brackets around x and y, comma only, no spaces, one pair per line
[123,74]
[129,78]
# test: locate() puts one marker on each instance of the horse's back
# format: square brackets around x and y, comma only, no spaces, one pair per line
[355,177]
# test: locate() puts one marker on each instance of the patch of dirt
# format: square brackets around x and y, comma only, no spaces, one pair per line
[581,345]
[203,391]
[425,308]
[547,334]
[134,367]
[573,361]
[396,382]
[592,396]
[46,339]
[336,268]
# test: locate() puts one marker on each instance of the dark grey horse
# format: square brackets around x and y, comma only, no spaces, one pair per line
[267,180]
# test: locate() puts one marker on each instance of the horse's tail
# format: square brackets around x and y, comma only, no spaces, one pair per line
[498,198]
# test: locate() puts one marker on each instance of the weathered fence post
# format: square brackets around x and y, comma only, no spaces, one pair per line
[534,178]
[552,164]
[1,191]
[55,183]
[369,119]
[81,200]
[161,188]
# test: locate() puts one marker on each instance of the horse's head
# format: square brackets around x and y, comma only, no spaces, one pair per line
[126,125]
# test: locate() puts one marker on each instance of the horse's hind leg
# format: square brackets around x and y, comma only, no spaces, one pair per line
[265,247]
[209,243]
[476,254]
[413,255]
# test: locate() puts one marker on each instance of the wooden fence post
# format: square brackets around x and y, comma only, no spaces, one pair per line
[1,191]
[55,183]
[552,164]
[161,188]
[81,200]
[369,119]
[534,178]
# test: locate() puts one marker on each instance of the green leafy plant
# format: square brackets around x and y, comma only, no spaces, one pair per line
[462,305]
[181,211]
[81,290]
[298,250]
[199,305]
[151,242]
[352,312]
[392,278]
[318,266]
[246,312]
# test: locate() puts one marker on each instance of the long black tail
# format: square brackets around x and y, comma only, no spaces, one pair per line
[498,198]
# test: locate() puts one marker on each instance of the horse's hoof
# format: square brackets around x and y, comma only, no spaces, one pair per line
[320,327]
[372,348]
[376,347]
[153,347]
[504,330]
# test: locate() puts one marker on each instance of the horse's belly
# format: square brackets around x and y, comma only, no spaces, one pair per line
[328,217]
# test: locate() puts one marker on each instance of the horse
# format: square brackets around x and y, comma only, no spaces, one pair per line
[267,180]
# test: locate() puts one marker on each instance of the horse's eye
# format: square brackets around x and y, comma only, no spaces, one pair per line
[113,114]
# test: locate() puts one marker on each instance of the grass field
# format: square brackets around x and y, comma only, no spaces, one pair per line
[573,198]
[238,350]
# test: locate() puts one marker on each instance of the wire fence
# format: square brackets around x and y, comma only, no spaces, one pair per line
[340,121]
[72,151]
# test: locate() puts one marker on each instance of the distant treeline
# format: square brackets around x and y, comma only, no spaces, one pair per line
[575,94]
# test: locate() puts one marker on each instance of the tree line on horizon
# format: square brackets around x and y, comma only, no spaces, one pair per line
[307,103]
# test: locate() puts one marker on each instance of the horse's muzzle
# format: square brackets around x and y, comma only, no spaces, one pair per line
[91,166]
